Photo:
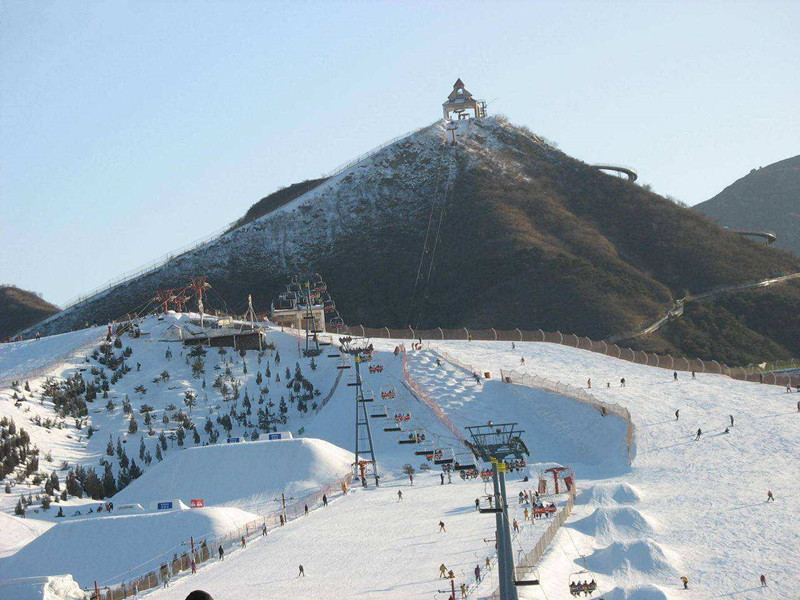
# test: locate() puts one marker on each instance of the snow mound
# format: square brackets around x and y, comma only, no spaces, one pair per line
[18,532]
[57,587]
[616,523]
[609,493]
[246,474]
[100,549]
[637,592]
[626,559]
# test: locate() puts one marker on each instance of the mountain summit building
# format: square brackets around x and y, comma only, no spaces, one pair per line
[460,101]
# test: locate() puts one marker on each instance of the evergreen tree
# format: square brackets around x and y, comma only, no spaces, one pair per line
[134,471]
[119,448]
[196,436]
[93,485]
[159,456]
[181,434]
[54,481]
[277,357]
[73,485]
[142,449]
[123,460]
[19,509]
[133,426]
[162,439]
[109,483]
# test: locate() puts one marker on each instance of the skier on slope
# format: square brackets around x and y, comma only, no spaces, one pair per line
[770,497]
[675,376]
[477,503]
[399,495]
[221,553]
[731,416]
[463,590]
[763,580]
[677,414]
[325,499]
[699,433]
[302,572]
[441,527]
[442,571]
[478,572]
[685,581]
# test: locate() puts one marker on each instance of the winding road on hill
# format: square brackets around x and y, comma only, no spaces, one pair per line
[677,310]
[770,237]
[629,171]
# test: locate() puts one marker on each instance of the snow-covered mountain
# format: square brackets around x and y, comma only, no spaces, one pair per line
[502,230]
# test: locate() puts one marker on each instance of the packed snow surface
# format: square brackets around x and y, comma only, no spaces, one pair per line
[99,549]
[684,507]
[16,532]
[246,474]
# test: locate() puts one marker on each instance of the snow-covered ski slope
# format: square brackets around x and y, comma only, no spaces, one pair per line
[30,358]
[682,508]
[702,510]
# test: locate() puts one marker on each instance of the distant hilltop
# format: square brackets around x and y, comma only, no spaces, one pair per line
[20,309]
[765,200]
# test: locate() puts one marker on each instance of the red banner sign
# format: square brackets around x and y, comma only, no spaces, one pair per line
[197,502]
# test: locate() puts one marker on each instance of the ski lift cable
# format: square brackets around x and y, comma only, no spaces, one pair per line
[433,258]
[427,235]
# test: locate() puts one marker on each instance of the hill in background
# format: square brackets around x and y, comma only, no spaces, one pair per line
[766,199]
[20,309]
[500,231]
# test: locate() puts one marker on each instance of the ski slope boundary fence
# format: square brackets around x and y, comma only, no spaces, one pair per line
[562,389]
[177,561]
[769,373]
[527,563]
[580,395]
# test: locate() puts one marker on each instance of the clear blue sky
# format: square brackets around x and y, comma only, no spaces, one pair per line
[130,129]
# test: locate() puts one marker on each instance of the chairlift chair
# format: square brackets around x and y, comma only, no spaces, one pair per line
[459,466]
[415,437]
[448,457]
[393,428]
[380,412]
[337,322]
[491,508]
[520,579]
[576,582]
[388,393]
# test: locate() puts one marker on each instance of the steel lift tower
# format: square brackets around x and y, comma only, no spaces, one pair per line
[365,449]
[494,443]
